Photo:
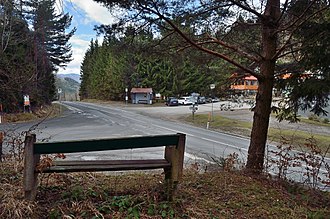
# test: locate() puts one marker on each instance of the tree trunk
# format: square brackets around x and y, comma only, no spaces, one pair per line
[262,110]
[260,126]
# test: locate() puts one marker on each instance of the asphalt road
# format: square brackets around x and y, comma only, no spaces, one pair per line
[87,120]
[93,121]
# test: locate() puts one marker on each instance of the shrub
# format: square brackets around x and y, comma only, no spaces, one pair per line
[314,117]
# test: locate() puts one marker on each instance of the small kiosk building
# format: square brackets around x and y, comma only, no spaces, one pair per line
[141,95]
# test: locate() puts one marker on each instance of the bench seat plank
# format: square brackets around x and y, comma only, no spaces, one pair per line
[106,165]
[105,144]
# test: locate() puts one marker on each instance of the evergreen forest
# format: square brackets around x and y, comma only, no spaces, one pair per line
[137,59]
[34,44]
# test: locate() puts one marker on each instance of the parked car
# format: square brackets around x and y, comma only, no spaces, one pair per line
[185,101]
[212,99]
[201,100]
[172,101]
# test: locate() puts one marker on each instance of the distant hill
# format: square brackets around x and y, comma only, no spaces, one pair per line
[69,88]
[73,76]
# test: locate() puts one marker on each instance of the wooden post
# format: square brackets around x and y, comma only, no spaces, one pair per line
[1,112]
[30,175]
[174,155]
[1,141]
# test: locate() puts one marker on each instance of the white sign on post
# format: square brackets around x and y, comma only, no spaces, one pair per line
[26,100]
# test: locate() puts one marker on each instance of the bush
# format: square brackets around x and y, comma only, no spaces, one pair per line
[314,117]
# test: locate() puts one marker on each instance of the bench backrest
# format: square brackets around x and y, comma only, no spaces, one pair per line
[106,144]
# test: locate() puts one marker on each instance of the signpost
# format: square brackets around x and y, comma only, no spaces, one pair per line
[59,91]
[1,133]
[212,86]
[1,111]
[126,97]
[26,103]
[1,141]
[193,109]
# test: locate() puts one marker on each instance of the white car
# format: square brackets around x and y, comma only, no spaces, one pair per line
[185,101]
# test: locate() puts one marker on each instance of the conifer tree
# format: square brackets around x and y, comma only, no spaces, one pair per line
[208,26]
[51,47]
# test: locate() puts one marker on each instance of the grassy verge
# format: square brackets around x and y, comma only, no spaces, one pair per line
[319,122]
[244,128]
[46,111]
[217,194]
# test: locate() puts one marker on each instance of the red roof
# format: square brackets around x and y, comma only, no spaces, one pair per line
[243,76]
[141,90]
[251,78]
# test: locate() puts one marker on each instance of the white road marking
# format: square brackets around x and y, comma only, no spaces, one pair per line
[194,157]
[228,145]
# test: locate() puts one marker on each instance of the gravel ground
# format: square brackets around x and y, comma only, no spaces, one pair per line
[241,113]
[247,115]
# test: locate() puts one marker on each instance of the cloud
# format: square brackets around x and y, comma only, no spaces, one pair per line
[80,44]
[79,47]
[93,12]
[85,13]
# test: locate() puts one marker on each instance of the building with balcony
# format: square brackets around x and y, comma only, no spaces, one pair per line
[247,84]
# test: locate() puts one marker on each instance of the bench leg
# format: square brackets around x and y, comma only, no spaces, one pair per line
[175,155]
[30,162]
[169,184]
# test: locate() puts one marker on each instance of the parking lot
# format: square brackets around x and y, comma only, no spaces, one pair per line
[237,112]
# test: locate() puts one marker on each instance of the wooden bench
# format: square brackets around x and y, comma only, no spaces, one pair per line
[172,162]
[143,101]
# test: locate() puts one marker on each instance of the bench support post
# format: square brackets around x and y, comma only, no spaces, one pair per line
[30,162]
[174,155]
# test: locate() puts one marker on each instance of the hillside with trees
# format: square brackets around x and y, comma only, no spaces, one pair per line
[69,88]
[33,46]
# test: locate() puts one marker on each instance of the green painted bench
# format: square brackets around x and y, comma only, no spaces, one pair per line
[172,162]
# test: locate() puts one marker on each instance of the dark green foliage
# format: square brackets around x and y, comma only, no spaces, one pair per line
[308,88]
[264,36]
[102,74]
[15,52]
[31,57]
[136,61]
[51,46]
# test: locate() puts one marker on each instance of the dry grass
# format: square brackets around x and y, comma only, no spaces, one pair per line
[46,111]
[216,194]
[243,128]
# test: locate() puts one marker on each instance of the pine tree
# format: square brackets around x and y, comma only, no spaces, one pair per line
[51,46]
[15,51]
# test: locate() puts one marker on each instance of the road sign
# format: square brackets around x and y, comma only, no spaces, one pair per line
[193,108]
[26,100]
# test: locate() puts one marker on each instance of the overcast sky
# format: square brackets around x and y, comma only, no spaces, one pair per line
[86,14]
